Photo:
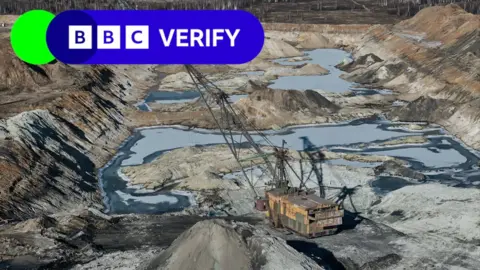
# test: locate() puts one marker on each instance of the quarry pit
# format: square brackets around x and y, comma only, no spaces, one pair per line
[92,154]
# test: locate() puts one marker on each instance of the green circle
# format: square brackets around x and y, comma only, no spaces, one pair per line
[29,37]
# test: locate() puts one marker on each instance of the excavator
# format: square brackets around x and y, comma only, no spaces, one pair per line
[296,208]
[301,209]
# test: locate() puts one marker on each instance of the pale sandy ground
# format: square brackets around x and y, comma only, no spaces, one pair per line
[8,19]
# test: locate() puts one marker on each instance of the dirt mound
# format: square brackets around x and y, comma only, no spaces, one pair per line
[254,86]
[274,48]
[218,244]
[312,40]
[19,77]
[207,245]
[295,101]
[443,23]
[88,237]
[395,168]
[278,108]
[424,109]
[362,61]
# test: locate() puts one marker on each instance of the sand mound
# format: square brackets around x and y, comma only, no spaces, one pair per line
[207,245]
[277,108]
[312,40]
[361,62]
[424,109]
[217,244]
[395,168]
[295,101]
[274,48]
[254,86]
[443,23]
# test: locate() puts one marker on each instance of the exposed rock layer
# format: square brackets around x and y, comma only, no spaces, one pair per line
[434,54]
[70,122]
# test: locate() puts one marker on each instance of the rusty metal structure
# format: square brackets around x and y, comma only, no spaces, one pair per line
[304,212]
[294,208]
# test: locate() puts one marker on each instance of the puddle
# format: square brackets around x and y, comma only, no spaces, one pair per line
[166,97]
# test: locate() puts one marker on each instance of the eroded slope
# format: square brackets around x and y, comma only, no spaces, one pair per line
[438,60]
[59,124]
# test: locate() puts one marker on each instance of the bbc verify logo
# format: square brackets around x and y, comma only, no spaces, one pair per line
[136,37]
[108,37]
[141,37]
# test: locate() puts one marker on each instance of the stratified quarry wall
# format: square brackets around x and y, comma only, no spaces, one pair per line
[435,54]
[59,124]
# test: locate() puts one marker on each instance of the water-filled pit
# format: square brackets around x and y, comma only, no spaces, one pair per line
[328,59]
[441,154]
[331,82]
[441,158]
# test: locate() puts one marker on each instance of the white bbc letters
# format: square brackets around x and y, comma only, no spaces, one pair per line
[136,37]
[108,37]
[80,37]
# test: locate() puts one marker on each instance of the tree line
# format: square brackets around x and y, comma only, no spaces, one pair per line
[411,7]
[259,7]
[57,6]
